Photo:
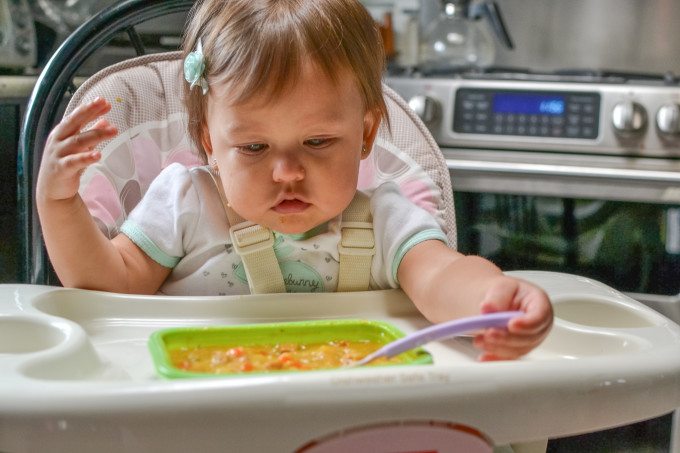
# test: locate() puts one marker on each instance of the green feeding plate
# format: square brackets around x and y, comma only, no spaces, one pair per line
[227,343]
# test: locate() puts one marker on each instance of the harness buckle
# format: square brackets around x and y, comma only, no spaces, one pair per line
[249,237]
[357,239]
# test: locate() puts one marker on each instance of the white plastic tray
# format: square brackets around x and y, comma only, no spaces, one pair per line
[76,375]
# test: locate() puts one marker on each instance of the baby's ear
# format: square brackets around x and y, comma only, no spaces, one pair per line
[372,121]
[205,139]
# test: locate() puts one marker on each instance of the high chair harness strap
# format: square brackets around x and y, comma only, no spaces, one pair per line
[357,245]
[255,245]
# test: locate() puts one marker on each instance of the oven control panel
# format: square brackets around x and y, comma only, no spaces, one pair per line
[560,114]
[628,118]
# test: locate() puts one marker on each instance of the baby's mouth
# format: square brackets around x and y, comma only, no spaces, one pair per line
[291,206]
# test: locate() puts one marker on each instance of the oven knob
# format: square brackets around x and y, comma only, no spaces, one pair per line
[425,107]
[668,119]
[629,117]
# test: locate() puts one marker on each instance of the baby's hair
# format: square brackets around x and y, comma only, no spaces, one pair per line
[260,46]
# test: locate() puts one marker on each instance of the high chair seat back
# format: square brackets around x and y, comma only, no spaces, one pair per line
[147,109]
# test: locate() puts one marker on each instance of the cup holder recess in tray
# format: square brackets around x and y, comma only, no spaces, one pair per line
[590,311]
[22,335]
[588,325]
[44,348]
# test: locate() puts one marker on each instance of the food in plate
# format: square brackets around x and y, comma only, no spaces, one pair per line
[278,357]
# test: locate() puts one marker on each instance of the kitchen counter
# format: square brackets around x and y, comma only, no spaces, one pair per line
[16,86]
[21,86]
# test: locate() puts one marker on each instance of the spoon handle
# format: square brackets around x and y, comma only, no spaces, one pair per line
[441,331]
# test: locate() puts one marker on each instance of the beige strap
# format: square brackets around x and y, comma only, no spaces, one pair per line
[357,245]
[255,245]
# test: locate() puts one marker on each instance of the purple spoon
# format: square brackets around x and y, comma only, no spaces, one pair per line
[440,331]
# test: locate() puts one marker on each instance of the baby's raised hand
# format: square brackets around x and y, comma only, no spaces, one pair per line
[69,150]
[525,332]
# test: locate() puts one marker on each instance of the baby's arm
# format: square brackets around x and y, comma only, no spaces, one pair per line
[80,253]
[445,284]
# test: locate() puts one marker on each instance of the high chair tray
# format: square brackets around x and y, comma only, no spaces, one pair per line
[76,373]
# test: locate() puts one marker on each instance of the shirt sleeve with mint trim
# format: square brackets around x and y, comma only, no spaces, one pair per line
[398,225]
[168,211]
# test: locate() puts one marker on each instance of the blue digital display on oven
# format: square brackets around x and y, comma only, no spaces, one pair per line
[528,104]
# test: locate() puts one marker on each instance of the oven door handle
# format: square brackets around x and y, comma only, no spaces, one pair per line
[531,169]
[607,180]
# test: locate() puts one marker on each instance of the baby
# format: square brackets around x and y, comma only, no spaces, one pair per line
[284,100]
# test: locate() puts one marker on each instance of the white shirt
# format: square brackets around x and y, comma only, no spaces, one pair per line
[181,224]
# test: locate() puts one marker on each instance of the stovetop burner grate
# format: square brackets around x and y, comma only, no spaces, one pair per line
[570,75]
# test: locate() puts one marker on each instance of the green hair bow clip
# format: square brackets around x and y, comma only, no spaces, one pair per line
[194,65]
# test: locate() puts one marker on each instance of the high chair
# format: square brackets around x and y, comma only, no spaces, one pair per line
[78,375]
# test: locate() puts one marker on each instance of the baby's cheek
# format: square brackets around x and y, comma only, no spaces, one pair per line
[243,197]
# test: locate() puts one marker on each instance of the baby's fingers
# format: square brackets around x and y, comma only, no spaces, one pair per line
[537,319]
[82,115]
[501,345]
[75,163]
[86,140]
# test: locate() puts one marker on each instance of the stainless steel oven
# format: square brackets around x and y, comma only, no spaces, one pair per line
[576,173]
[573,173]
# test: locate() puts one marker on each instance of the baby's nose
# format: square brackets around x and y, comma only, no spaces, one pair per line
[287,168]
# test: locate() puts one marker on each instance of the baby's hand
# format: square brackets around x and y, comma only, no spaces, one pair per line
[69,150]
[525,332]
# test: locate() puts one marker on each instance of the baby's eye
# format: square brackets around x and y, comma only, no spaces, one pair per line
[252,148]
[318,142]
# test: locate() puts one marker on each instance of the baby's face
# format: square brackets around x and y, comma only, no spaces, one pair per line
[293,163]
